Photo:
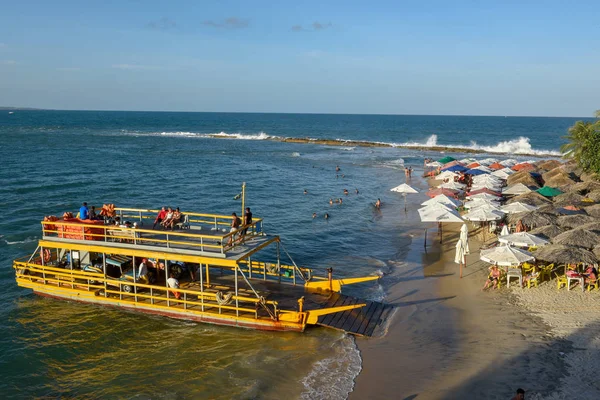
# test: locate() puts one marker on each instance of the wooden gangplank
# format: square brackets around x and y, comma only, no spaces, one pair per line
[359,321]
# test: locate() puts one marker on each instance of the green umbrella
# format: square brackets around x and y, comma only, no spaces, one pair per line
[446,159]
[549,191]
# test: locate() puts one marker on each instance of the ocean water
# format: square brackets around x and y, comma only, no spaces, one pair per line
[54,160]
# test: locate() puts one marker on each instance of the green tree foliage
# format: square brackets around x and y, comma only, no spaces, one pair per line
[584,144]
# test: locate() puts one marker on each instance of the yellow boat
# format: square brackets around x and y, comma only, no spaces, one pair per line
[220,278]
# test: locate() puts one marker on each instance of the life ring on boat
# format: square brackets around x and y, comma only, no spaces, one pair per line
[46,255]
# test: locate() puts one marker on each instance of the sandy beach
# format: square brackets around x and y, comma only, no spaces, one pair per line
[450,340]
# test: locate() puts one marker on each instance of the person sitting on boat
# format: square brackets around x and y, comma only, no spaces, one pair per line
[175,219]
[168,217]
[235,226]
[92,214]
[160,217]
[493,278]
[84,212]
[142,275]
[174,284]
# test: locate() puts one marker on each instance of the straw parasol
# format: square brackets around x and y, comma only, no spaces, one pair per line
[569,198]
[574,221]
[592,226]
[548,165]
[594,195]
[594,210]
[531,198]
[578,238]
[533,219]
[561,254]
[547,231]
[596,251]
[523,177]
[585,187]
[561,180]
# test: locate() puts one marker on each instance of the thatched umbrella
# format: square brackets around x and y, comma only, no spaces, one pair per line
[523,177]
[592,226]
[596,251]
[567,199]
[585,187]
[548,165]
[594,210]
[533,219]
[547,231]
[578,237]
[531,198]
[575,221]
[594,195]
[589,176]
[561,254]
[560,181]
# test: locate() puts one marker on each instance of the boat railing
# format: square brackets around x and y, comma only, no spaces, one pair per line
[204,299]
[182,239]
[273,271]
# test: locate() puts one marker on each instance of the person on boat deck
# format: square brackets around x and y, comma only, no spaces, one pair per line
[247,220]
[160,217]
[84,212]
[168,217]
[92,214]
[175,219]
[235,225]
[142,275]
[173,284]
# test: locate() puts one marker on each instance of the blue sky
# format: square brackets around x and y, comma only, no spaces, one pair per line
[384,57]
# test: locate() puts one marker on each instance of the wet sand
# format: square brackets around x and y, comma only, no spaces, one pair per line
[448,339]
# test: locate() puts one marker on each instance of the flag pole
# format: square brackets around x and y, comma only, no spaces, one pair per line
[243,198]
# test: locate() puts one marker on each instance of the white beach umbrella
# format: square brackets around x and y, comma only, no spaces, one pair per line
[485,196]
[442,199]
[500,174]
[505,256]
[434,164]
[459,256]
[523,239]
[446,175]
[483,215]
[517,207]
[452,185]
[511,162]
[467,161]
[485,207]
[516,189]
[404,189]
[488,179]
[464,237]
[487,161]
[439,215]
[490,186]
[504,231]
[474,203]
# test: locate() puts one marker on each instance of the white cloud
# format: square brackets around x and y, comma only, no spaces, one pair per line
[315,26]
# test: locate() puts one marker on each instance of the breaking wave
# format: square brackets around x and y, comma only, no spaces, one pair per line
[521,145]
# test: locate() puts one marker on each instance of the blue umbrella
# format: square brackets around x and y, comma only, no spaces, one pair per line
[475,171]
[455,168]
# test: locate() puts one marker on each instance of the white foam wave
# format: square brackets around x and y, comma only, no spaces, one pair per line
[348,148]
[28,240]
[333,377]
[295,154]
[221,135]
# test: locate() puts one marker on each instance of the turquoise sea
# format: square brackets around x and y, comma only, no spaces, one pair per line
[54,160]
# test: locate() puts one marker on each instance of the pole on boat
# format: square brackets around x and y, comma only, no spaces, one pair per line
[243,198]
[330,278]
[278,263]
[166,278]
[201,288]
[104,269]
[237,305]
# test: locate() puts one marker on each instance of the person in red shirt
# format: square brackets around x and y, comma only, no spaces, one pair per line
[160,217]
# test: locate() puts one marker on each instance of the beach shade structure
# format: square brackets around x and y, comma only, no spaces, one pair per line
[439,215]
[569,199]
[489,186]
[523,177]
[439,191]
[502,173]
[505,256]
[548,191]
[504,230]
[464,236]
[496,166]
[481,215]
[523,167]
[485,207]
[488,178]
[594,210]
[511,162]
[596,251]
[484,169]
[562,254]
[533,219]
[473,165]
[451,164]
[446,160]
[548,165]
[578,237]
[442,199]
[483,196]
[488,161]
[584,188]
[452,185]
[477,202]
[446,175]
[574,221]
[434,164]
[460,255]
[516,189]
[475,171]
[593,195]
[484,191]
[404,189]
[523,239]
[547,231]
[570,210]
[532,198]
[455,168]
[559,180]
[517,207]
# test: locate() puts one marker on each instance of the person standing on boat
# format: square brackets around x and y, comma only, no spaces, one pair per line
[84,212]
[174,284]
[247,220]
[235,226]
[160,217]
[142,275]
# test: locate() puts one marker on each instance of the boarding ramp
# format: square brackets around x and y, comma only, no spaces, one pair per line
[362,321]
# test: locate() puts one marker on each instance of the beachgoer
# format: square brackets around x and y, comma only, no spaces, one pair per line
[175,219]
[493,278]
[406,172]
[337,168]
[356,190]
[84,212]
[314,215]
[117,221]
[168,217]
[535,273]
[92,214]
[326,216]
[340,200]
[235,225]
[590,274]
[142,275]
[330,201]
[160,217]
[520,395]
[410,172]
[305,191]
[346,192]
[247,220]
[520,227]
[174,284]
[343,176]
[378,204]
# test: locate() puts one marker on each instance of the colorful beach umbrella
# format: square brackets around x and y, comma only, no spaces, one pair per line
[475,171]
[484,190]
[496,166]
[548,191]
[446,159]
[455,168]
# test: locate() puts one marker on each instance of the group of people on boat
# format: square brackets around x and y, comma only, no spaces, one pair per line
[168,218]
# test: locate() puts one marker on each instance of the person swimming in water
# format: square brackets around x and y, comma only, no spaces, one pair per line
[346,192]
[356,190]
[305,191]
[314,215]
[337,168]
[326,216]
[378,204]
[330,201]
